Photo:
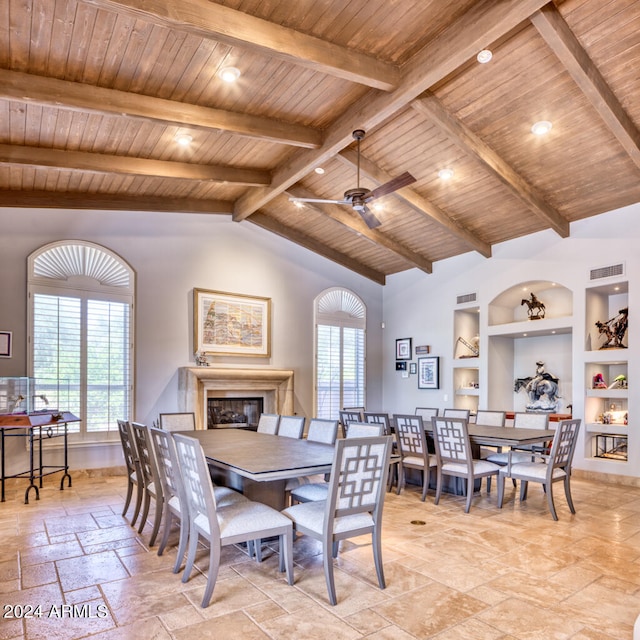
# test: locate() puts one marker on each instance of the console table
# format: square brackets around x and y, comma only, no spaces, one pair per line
[36,427]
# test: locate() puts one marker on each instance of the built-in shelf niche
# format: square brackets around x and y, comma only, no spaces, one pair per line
[602,304]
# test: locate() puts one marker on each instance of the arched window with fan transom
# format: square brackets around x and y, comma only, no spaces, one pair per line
[340,340]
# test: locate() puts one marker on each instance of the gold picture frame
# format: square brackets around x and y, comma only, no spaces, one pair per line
[231,324]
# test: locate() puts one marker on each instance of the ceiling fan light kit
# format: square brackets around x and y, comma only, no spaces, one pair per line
[359,197]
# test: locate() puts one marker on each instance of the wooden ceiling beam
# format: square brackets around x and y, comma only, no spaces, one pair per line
[562,41]
[430,107]
[109,202]
[354,222]
[223,24]
[293,235]
[74,96]
[419,204]
[101,163]
[485,21]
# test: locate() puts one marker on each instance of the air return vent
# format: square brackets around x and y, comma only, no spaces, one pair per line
[467,297]
[607,272]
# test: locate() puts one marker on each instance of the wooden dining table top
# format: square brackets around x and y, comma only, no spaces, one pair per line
[263,457]
[506,436]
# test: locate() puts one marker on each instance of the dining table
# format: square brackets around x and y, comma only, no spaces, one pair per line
[259,464]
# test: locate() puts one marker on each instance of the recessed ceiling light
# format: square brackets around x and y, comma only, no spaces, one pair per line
[378,206]
[298,204]
[541,128]
[183,139]
[445,174]
[484,56]
[319,170]
[229,74]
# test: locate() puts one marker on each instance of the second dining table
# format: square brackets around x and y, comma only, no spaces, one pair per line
[259,464]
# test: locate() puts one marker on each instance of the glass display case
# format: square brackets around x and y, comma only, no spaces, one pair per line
[27,395]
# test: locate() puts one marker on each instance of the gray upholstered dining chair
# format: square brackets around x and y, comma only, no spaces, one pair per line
[524,420]
[320,430]
[241,522]
[426,413]
[366,430]
[134,473]
[152,486]
[354,503]
[491,418]
[268,423]
[454,457]
[177,421]
[291,427]
[375,417]
[412,446]
[348,416]
[546,469]
[457,413]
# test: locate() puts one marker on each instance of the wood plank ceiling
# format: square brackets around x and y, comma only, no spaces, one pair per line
[94,92]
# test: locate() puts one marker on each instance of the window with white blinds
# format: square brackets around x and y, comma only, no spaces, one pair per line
[81,335]
[340,352]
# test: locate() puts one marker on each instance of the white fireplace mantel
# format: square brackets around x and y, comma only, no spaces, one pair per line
[195,384]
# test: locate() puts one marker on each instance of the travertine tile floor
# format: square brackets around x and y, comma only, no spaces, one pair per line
[487,575]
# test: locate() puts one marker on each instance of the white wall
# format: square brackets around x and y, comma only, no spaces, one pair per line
[422,307]
[171,254]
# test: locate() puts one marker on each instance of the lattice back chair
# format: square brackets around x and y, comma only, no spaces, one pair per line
[348,416]
[325,431]
[454,457]
[374,417]
[457,413]
[491,418]
[412,445]
[555,467]
[175,506]
[366,430]
[354,503]
[426,413]
[150,476]
[291,426]
[524,420]
[177,421]
[528,420]
[134,473]
[241,522]
[268,423]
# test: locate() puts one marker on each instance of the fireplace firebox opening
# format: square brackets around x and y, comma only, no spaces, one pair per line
[242,413]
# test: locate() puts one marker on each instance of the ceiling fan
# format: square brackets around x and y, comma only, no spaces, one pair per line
[359,197]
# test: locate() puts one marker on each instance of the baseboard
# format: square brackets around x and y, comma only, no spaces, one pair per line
[607,478]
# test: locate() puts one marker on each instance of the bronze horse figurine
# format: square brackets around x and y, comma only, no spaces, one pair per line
[534,304]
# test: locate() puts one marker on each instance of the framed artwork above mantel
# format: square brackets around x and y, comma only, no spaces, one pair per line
[231,324]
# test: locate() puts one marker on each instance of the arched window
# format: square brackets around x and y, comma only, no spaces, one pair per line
[81,334]
[340,320]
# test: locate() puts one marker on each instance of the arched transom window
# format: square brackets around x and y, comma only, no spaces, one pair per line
[81,334]
[340,321]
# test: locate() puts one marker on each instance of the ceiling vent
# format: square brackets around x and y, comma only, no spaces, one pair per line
[607,272]
[467,297]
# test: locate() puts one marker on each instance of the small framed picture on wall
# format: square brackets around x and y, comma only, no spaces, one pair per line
[429,373]
[403,349]
[5,344]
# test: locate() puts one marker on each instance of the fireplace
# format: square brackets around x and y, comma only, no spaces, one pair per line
[196,385]
[225,413]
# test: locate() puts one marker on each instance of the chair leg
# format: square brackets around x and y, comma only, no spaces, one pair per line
[488,484]
[286,555]
[524,485]
[192,550]
[438,485]
[127,500]
[212,576]
[552,507]
[327,561]
[425,483]
[257,549]
[376,543]
[136,511]
[500,482]
[401,478]
[470,483]
[182,544]
[567,492]
[167,518]
[156,520]
[145,511]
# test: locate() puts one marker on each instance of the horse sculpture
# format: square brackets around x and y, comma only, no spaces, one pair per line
[533,303]
[543,393]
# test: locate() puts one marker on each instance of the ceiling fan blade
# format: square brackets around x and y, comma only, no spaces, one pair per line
[370,220]
[402,180]
[319,200]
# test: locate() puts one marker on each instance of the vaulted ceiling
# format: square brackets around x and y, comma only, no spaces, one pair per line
[94,92]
